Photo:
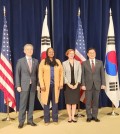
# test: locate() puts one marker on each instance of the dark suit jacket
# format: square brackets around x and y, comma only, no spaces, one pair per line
[23,74]
[88,78]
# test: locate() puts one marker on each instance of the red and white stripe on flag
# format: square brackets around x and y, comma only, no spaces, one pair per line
[6,74]
[80,50]
[81,58]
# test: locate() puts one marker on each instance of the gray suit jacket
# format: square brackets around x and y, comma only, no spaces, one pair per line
[67,71]
[23,74]
[88,78]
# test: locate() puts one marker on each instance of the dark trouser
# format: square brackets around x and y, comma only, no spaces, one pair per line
[92,102]
[26,97]
[54,107]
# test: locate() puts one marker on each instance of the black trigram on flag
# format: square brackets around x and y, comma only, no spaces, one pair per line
[113,86]
[45,40]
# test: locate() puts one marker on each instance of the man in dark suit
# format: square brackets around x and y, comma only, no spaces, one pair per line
[93,79]
[26,84]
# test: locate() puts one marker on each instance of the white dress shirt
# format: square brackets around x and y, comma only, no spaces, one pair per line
[92,60]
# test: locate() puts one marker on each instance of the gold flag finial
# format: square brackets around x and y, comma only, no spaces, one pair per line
[46,12]
[4,11]
[110,12]
[79,12]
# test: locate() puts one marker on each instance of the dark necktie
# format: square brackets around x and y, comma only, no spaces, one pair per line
[93,66]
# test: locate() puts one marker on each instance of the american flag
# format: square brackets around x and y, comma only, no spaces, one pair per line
[80,50]
[6,74]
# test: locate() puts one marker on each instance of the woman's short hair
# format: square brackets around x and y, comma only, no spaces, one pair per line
[68,51]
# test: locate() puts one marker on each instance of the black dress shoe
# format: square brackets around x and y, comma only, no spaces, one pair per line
[31,123]
[69,121]
[95,119]
[74,121]
[20,125]
[88,119]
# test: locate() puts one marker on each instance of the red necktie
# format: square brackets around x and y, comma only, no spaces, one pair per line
[93,66]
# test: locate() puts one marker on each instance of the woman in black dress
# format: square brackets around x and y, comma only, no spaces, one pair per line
[72,80]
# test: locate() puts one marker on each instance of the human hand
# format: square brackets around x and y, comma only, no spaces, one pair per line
[70,86]
[43,89]
[19,89]
[38,88]
[75,86]
[83,87]
[61,87]
[103,87]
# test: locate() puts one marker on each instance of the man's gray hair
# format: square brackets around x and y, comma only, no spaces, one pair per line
[28,45]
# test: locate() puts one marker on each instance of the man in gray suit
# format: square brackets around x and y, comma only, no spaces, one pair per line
[93,79]
[26,84]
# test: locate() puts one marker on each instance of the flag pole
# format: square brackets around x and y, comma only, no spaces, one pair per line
[45,44]
[7,101]
[113,113]
[111,42]
[78,113]
[52,16]
[8,118]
